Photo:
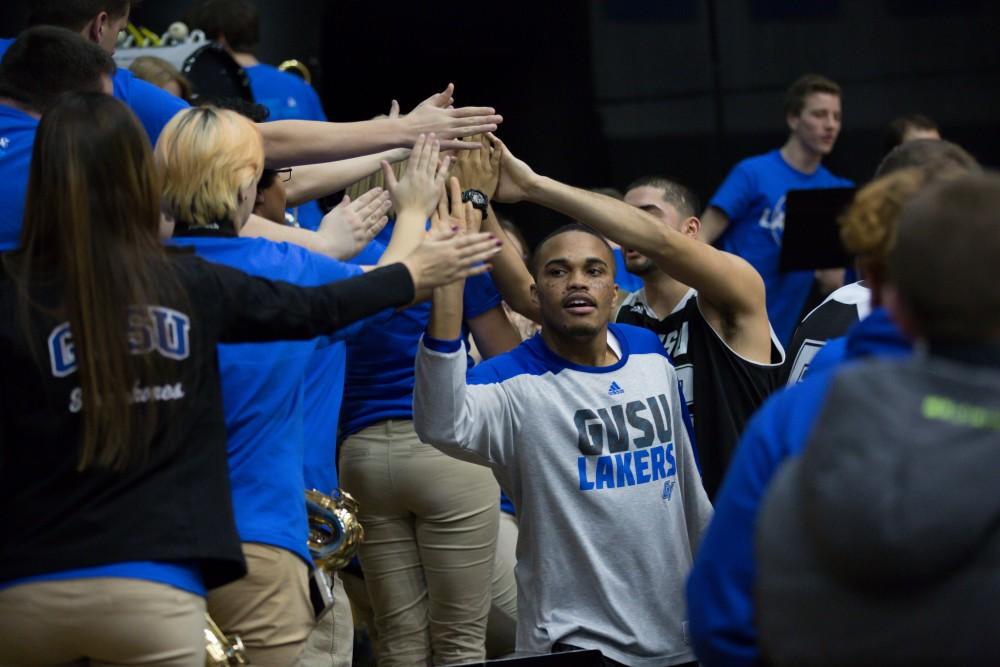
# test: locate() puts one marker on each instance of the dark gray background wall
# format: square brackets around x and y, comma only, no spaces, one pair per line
[597,92]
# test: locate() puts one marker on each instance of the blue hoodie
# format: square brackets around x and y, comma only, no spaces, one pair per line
[720,588]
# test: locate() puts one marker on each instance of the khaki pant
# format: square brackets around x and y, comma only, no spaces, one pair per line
[269,608]
[110,621]
[430,531]
[501,629]
[331,643]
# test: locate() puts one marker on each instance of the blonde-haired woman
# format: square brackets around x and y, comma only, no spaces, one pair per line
[211,160]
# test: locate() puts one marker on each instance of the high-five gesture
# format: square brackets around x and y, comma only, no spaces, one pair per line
[479,168]
[417,192]
[444,257]
[516,177]
[350,225]
[453,214]
[436,114]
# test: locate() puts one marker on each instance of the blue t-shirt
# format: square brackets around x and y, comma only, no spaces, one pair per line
[263,396]
[380,372]
[753,198]
[288,97]
[17,137]
[153,106]
[626,281]
[285,95]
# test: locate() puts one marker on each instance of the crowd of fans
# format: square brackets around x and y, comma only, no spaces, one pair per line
[641,437]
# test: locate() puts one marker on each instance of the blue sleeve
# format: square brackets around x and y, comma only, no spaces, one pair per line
[153,106]
[480,296]
[441,345]
[324,270]
[831,355]
[721,586]
[316,111]
[370,255]
[736,192]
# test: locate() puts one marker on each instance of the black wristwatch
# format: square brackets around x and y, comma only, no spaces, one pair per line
[479,200]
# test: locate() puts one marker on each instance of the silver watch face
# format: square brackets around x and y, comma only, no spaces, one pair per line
[477,198]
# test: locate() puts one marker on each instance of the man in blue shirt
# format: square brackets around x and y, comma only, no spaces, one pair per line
[45,62]
[746,216]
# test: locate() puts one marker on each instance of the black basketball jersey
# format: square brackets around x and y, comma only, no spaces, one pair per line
[722,388]
[831,319]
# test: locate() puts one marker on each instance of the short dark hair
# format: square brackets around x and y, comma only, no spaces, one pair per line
[898,127]
[803,87]
[933,153]
[677,195]
[46,61]
[74,14]
[566,229]
[944,262]
[236,20]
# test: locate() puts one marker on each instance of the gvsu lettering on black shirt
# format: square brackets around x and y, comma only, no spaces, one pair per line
[164,330]
[631,457]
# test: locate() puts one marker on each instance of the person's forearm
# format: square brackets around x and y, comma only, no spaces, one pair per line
[713,223]
[288,143]
[446,312]
[512,278]
[622,223]
[257,226]
[313,181]
[715,275]
[407,233]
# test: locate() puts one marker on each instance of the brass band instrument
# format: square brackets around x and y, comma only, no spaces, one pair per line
[222,651]
[297,67]
[334,530]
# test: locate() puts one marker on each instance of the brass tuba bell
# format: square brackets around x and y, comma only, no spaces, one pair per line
[222,651]
[334,530]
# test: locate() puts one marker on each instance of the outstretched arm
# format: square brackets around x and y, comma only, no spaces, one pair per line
[313,181]
[295,142]
[468,423]
[724,281]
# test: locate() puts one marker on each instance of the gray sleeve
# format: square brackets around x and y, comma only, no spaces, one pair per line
[697,507]
[471,423]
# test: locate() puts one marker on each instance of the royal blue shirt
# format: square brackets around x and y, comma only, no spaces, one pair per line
[753,198]
[626,281]
[263,396]
[153,106]
[720,588]
[380,373]
[288,97]
[17,137]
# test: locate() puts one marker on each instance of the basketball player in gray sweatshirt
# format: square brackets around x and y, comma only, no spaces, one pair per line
[584,427]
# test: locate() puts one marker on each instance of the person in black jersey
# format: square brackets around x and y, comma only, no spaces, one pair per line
[720,338]
[116,507]
[867,230]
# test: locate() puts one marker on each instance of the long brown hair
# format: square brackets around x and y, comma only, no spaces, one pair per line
[90,223]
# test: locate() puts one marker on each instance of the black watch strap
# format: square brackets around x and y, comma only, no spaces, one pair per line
[478,199]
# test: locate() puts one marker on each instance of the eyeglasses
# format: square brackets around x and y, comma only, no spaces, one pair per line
[284,175]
